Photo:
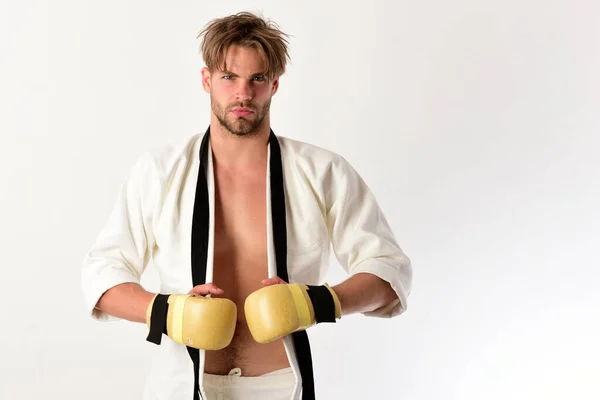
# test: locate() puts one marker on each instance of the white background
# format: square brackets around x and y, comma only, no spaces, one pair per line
[475,123]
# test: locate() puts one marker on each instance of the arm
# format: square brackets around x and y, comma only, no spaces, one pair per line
[364,244]
[364,293]
[380,273]
[112,268]
[127,301]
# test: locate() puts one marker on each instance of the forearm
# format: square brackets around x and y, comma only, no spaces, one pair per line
[363,292]
[128,301]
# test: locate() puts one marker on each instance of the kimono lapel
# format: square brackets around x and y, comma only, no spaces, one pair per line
[202,239]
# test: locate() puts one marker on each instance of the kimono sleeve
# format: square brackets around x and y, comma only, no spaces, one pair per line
[361,237]
[122,249]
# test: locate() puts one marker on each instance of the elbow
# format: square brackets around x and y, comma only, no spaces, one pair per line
[383,294]
[388,294]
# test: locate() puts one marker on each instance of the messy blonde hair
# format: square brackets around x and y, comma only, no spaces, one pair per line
[247,30]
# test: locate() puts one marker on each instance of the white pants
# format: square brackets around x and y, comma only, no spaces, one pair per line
[276,385]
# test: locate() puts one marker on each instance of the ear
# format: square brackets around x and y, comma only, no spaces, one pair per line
[275,85]
[206,75]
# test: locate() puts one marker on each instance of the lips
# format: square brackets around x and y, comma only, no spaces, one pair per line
[241,112]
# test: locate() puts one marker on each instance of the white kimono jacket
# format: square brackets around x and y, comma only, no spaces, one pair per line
[327,206]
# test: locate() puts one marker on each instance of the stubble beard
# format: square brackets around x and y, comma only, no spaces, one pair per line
[240,126]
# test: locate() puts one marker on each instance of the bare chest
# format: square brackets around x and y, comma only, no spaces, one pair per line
[240,241]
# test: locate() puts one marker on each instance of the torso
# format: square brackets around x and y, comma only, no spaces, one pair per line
[240,264]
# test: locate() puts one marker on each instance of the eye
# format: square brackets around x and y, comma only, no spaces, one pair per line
[227,77]
[259,78]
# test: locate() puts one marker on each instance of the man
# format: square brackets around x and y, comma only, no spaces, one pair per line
[239,223]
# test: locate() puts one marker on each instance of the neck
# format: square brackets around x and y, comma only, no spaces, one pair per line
[233,151]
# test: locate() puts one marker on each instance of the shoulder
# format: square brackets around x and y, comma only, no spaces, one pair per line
[300,151]
[316,162]
[171,155]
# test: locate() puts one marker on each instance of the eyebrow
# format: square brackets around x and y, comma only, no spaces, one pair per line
[225,72]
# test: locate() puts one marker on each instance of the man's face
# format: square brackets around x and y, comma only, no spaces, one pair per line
[241,95]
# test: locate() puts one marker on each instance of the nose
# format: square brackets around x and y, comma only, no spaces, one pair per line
[244,90]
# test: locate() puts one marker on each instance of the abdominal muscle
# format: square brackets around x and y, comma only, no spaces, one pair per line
[252,358]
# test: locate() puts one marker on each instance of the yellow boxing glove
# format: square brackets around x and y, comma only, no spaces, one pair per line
[195,321]
[277,310]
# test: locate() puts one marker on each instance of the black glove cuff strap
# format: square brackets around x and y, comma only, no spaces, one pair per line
[323,303]
[158,318]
